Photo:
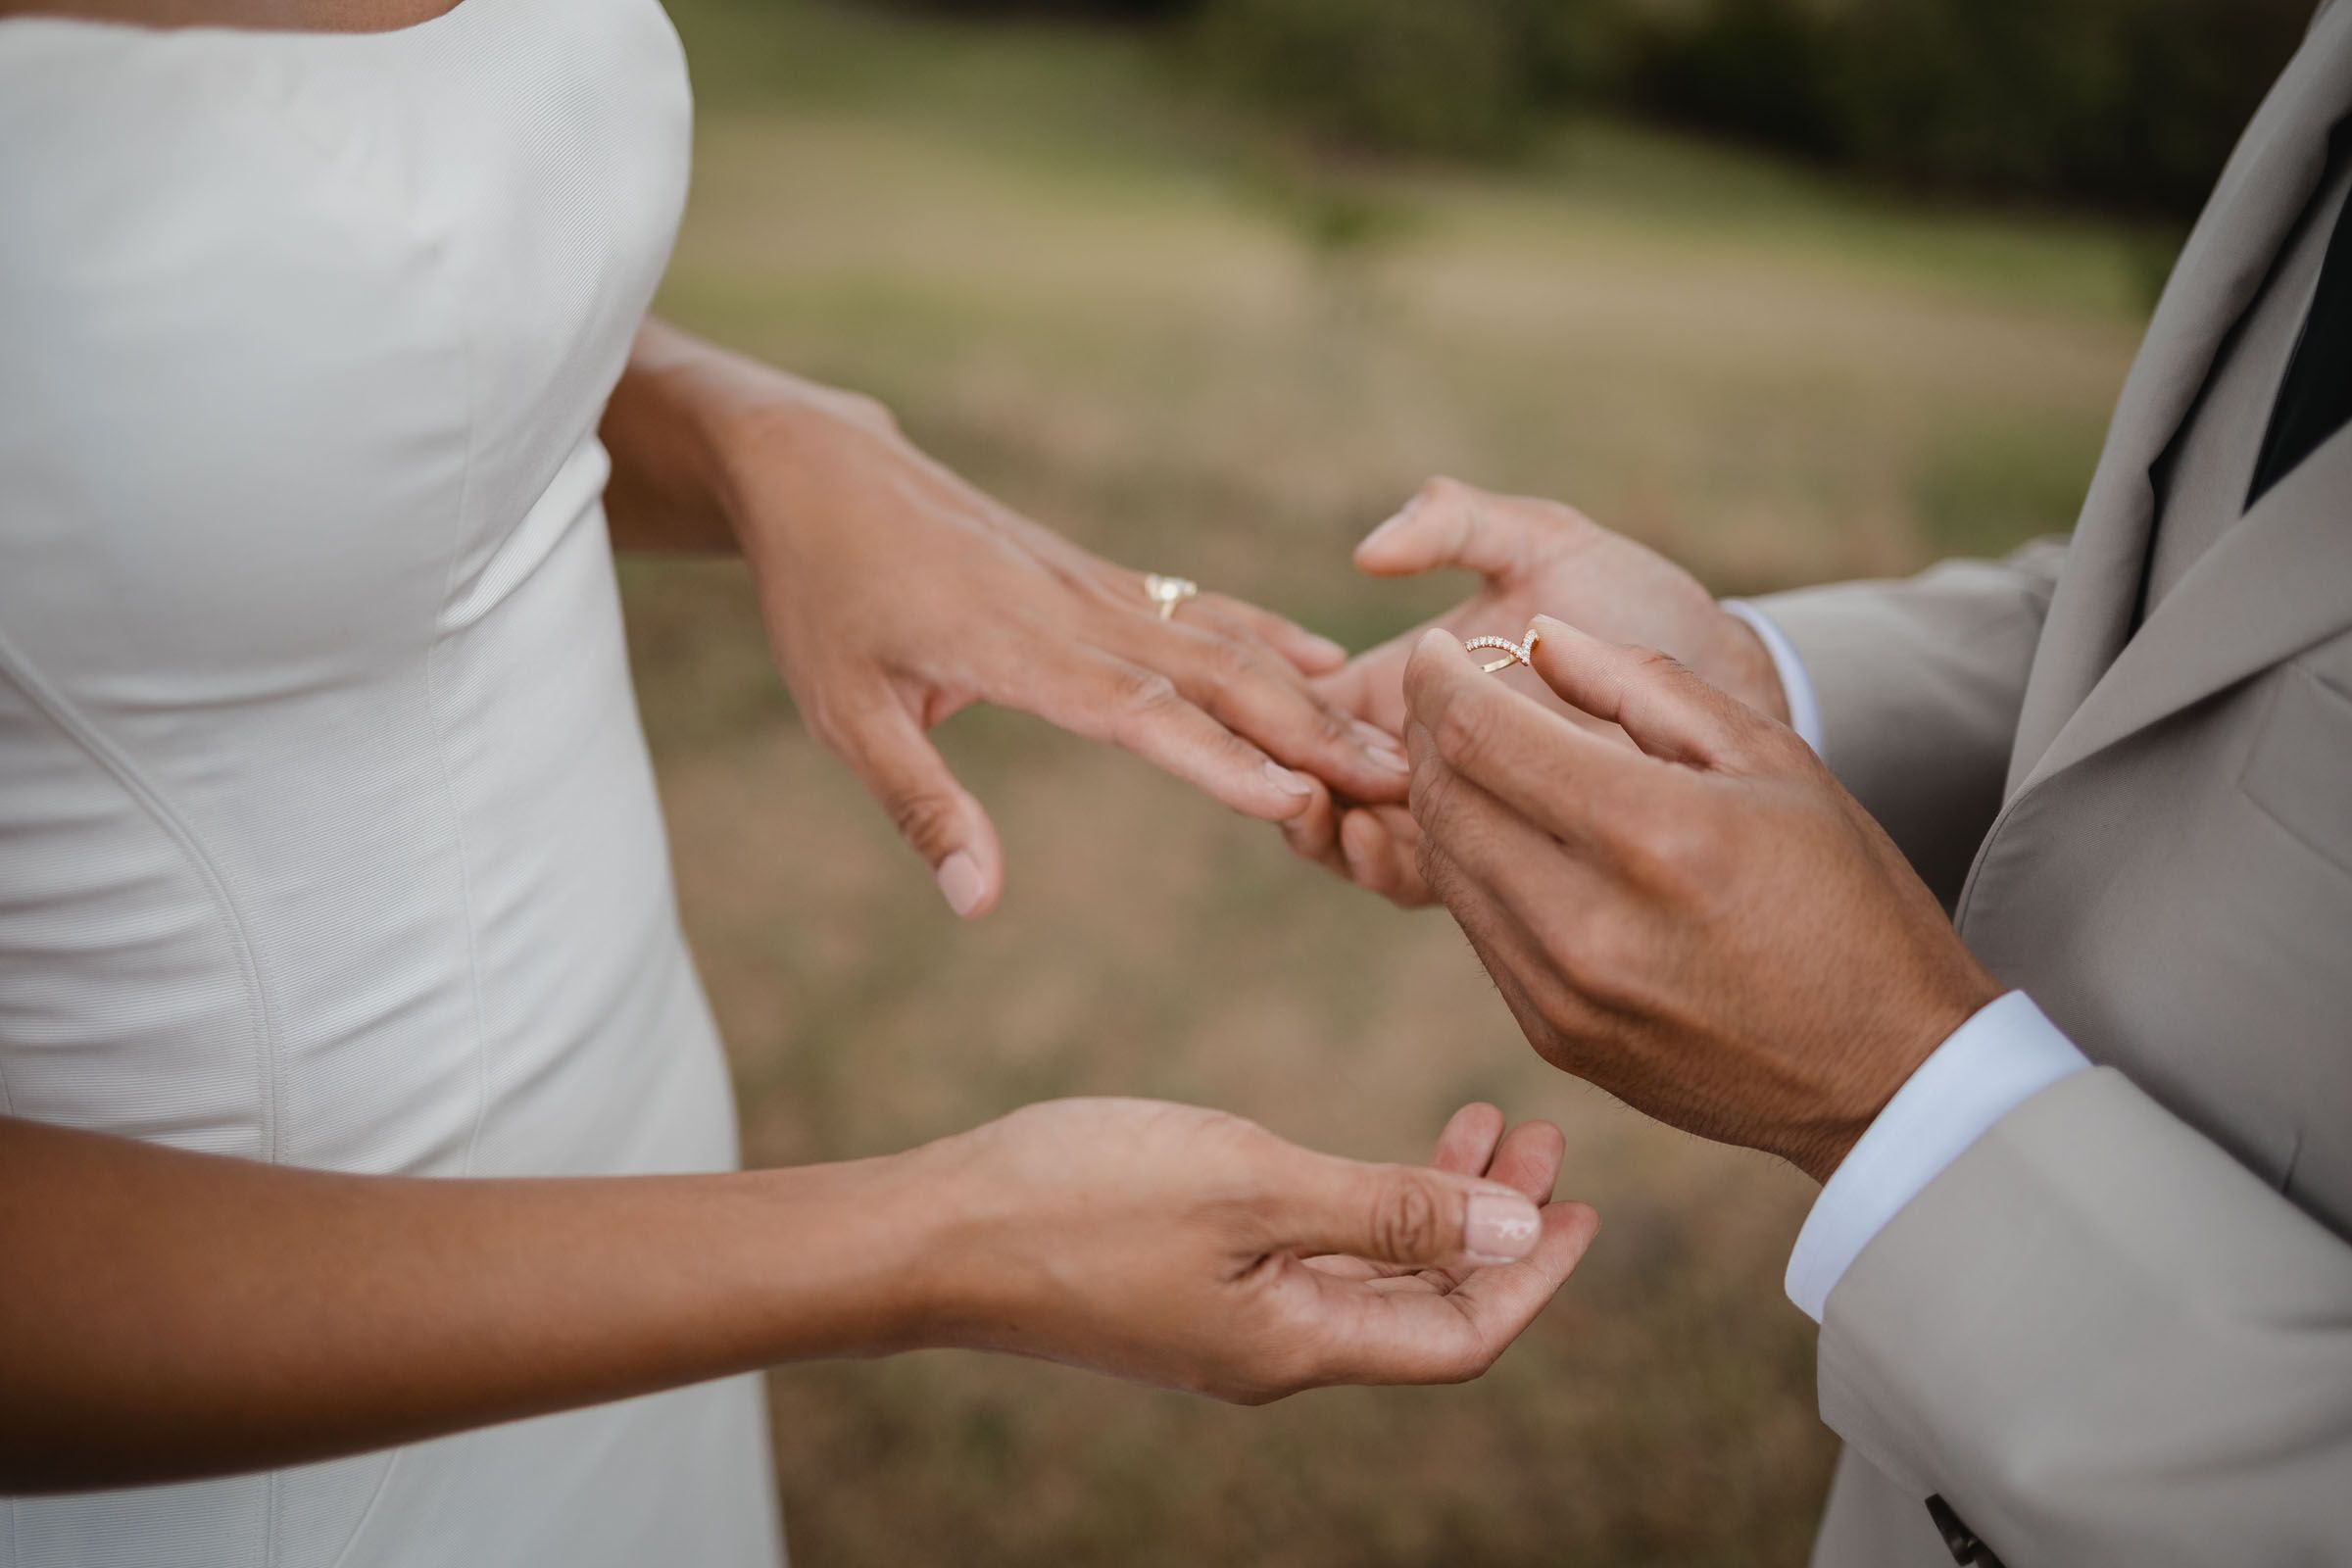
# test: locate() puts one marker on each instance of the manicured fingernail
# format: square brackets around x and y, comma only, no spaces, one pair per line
[1501,1227]
[961,883]
[1382,747]
[1287,781]
[1323,647]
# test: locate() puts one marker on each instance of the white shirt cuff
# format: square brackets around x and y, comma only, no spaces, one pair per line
[1805,710]
[2001,1058]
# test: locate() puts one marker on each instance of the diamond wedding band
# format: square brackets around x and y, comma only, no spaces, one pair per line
[1512,653]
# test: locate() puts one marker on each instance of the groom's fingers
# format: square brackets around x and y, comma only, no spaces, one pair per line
[1669,712]
[1448,523]
[1471,832]
[1496,869]
[1515,891]
[1572,783]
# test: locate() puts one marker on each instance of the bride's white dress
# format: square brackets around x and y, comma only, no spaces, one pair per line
[327,830]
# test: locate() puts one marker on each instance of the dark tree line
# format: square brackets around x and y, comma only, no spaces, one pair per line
[2126,104]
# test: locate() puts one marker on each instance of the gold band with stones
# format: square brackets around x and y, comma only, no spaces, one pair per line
[1166,593]
[1522,653]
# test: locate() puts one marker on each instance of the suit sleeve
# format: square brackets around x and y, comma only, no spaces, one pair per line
[2101,1340]
[1919,684]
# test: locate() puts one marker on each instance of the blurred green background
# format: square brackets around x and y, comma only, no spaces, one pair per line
[1793,289]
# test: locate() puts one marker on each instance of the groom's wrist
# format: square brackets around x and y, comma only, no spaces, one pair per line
[1896,1041]
[2001,1055]
[1741,662]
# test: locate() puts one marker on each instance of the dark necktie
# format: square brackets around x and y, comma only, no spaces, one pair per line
[2315,397]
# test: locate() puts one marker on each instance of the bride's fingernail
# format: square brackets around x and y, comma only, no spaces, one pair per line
[1325,649]
[1382,747]
[1500,1227]
[960,882]
[1287,781]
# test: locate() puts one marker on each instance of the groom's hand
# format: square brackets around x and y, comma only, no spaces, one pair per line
[1532,556]
[1707,926]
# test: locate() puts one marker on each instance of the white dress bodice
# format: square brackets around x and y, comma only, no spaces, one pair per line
[328,834]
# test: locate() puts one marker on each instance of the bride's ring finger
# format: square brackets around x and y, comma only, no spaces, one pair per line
[1251,690]
[1297,648]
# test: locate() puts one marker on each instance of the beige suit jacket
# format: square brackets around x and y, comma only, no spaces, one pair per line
[2118,1328]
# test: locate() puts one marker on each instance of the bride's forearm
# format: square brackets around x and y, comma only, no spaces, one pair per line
[679,407]
[171,1315]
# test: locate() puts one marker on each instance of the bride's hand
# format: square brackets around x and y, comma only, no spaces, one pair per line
[254,1316]
[896,594]
[1534,557]
[1192,1249]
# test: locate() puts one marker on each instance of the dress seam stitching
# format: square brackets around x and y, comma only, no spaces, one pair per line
[196,854]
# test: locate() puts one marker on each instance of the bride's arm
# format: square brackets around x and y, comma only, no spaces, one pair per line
[896,594]
[170,1314]
[683,409]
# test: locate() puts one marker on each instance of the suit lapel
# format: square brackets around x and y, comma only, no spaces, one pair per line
[2278,581]
[2267,184]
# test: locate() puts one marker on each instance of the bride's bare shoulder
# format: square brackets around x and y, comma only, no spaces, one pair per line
[277,15]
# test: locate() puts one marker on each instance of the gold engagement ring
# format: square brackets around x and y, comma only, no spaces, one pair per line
[1166,593]
[1512,653]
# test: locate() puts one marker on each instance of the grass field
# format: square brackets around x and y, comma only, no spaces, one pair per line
[1166,333]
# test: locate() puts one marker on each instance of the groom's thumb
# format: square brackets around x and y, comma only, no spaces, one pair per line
[1408,1214]
[1447,523]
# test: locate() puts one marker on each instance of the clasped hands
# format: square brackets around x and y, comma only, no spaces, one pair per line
[1675,897]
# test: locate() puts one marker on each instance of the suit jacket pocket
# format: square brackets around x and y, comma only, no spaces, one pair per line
[2300,768]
